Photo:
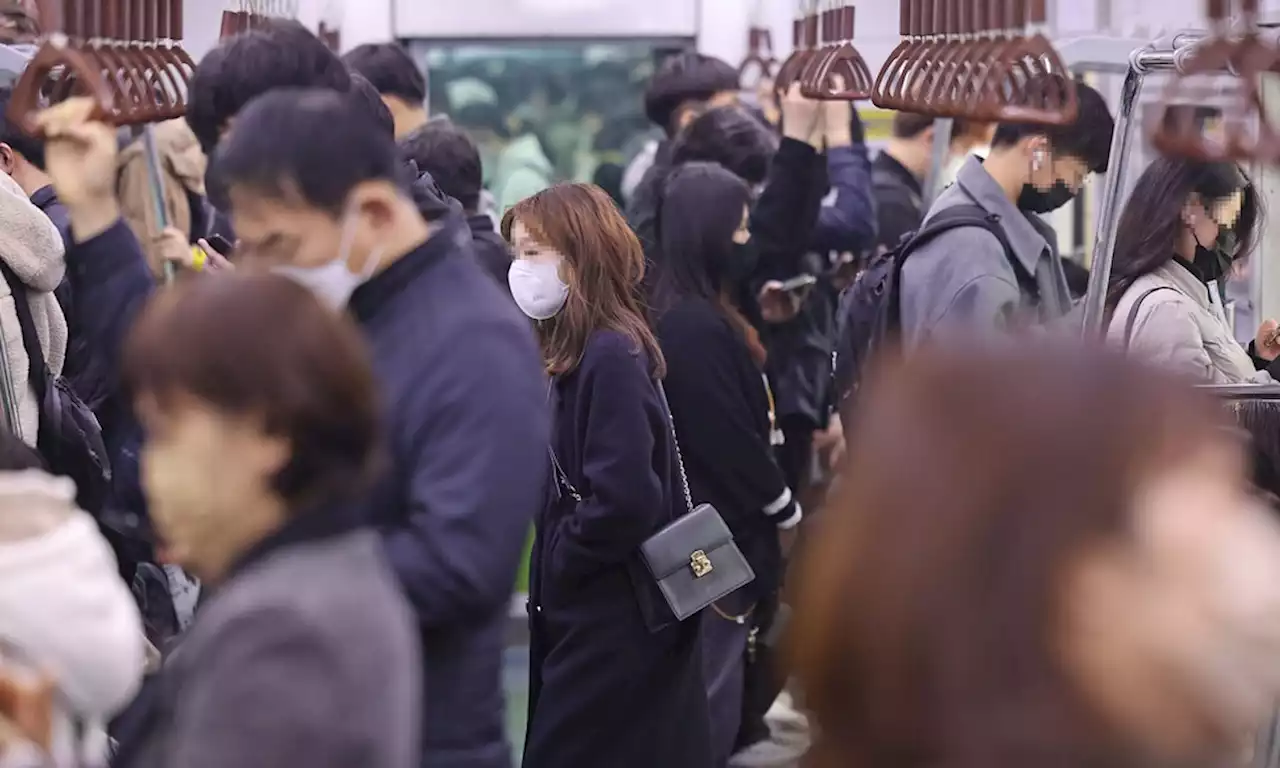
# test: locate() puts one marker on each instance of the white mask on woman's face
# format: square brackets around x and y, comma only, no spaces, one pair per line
[537,288]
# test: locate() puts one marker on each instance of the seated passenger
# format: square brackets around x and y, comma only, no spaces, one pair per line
[1183,225]
[964,280]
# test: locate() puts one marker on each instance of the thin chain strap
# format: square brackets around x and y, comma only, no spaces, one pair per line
[675,441]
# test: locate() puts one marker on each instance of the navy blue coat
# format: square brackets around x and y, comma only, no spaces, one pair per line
[614,680]
[465,398]
[110,283]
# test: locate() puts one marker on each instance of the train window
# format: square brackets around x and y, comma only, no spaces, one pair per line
[544,111]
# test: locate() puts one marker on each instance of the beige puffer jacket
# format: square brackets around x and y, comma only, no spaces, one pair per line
[1180,323]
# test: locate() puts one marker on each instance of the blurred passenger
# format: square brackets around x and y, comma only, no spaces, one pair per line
[965,279]
[22,158]
[1183,226]
[514,163]
[397,78]
[466,403]
[901,170]
[724,416]
[63,608]
[1261,419]
[366,98]
[802,339]
[968,137]
[847,220]
[284,54]
[32,258]
[615,679]
[1090,583]
[727,136]
[306,653]
[183,167]
[443,150]
[788,178]
[686,85]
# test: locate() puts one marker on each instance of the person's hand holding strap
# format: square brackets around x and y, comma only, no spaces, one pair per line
[80,158]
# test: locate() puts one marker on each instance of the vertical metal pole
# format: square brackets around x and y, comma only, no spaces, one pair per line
[1109,208]
[157,188]
[938,162]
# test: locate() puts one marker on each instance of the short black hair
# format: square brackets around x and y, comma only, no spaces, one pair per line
[730,137]
[276,149]
[365,96]
[30,147]
[685,77]
[443,150]
[283,54]
[391,70]
[908,125]
[1087,138]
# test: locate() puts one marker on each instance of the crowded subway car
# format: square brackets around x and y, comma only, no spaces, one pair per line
[568,383]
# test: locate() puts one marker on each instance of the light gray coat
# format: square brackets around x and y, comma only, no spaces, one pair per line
[1180,323]
[307,657]
[961,283]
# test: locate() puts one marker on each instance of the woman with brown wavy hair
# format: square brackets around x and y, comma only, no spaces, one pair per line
[1039,558]
[615,680]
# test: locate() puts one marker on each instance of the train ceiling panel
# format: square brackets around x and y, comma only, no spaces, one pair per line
[546,18]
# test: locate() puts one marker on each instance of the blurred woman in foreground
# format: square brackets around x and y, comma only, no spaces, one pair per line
[260,438]
[1002,583]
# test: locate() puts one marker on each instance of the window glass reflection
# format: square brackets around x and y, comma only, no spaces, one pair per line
[544,112]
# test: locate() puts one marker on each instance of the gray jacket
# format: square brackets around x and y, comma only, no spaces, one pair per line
[1179,323]
[961,281]
[307,656]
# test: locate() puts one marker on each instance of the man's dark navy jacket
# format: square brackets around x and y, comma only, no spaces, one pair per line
[467,424]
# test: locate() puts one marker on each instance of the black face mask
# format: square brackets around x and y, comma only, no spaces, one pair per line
[1037,201]
[743,258]
[1213,263]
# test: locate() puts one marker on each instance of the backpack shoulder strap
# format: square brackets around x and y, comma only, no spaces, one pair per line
[1132,319]
[973,215]
[38,374]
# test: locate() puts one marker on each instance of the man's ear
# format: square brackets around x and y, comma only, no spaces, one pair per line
[8,159]
[374,199]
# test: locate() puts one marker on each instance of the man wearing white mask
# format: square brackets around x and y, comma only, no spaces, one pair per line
[460,373]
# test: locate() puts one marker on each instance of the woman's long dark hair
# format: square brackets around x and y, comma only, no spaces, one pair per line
[1148,231]
[701,207]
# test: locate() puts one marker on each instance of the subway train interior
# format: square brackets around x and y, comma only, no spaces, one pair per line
[573,73]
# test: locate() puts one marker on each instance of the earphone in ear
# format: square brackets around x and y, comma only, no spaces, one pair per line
[1037,159]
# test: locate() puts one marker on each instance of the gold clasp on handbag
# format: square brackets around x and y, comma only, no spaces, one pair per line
[700,564]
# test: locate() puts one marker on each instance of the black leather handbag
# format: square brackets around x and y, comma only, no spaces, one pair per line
[693,560]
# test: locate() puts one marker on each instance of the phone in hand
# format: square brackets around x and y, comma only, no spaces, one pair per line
[798,283]
[220,244]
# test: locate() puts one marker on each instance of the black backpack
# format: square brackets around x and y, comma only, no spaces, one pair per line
[70,438]
[870,311]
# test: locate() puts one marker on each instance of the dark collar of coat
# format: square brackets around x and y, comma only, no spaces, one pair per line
[313,524]
[448,235]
